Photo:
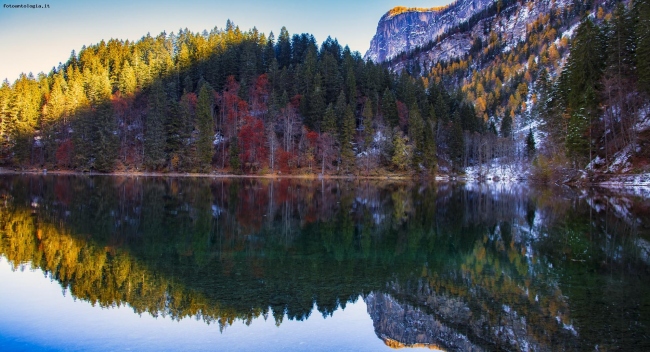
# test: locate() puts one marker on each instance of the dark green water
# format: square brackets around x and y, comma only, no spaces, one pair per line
[240,264]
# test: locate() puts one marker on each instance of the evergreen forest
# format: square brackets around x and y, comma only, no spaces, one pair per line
[240,102]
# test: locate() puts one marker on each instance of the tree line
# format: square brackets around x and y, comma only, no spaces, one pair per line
[230,100]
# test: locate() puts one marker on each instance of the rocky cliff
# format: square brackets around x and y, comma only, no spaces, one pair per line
[401,325]
[415,315]
[402,29]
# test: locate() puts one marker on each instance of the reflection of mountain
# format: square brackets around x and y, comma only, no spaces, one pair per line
[405,318]
[453,267]
[401,325]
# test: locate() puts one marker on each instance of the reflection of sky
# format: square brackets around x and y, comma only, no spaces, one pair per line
[37,39]
[34,315]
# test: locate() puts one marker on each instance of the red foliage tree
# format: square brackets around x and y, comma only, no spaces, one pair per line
[232,111]
[259,97]
[252,143]
[312,137]
[230,105]
[286,161]
[64,154]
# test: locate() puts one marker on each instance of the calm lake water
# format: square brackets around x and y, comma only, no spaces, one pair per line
[127,263]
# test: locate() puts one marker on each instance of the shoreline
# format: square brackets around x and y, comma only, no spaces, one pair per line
[603,180]
[398,177]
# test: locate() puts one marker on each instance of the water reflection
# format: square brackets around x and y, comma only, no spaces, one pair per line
[461,268]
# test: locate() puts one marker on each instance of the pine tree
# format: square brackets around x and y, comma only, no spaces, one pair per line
[506,125]
[530,144]
[429,146]
[204,116]
[283,48]
[24,113]
[154,138]
[105,141]
[456,143]
[621,44]
[339,109]
[351,87]
[53,118]
[642,10]
[6,95]
[577,140]
[331,77]
[406,90]
[316,105]
[184,124]
[585,66]
[127,80]
[389,108]
[329,122]
[346,138]
[401,151]
[442,108]
[416,135]
[468,119]
[368,132]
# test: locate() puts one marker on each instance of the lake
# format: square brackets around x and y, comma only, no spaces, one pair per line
[154,263]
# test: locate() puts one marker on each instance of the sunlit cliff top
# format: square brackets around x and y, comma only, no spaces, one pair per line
[394,344]
[402,9]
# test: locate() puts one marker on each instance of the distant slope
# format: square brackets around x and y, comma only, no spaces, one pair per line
[566,77]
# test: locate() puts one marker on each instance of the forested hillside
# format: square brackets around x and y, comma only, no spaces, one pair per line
[230,101]
[561,83]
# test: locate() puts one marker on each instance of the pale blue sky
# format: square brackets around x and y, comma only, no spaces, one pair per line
[35,40]
[37,316]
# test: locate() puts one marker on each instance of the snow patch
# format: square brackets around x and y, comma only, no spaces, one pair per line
[569,32]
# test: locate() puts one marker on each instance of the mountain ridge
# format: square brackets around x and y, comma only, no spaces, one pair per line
[412,27]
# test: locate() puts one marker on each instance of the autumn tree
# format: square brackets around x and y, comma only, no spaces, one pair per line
[252,142]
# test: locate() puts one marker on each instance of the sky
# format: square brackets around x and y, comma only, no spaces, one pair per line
[37,39]
[36,316]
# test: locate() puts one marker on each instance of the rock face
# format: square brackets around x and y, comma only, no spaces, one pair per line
[403,31]
[454,46]
[421,317]
[400,325]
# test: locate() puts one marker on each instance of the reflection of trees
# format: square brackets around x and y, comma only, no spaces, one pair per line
[528,284]
[219,249]
[596,247]
[226,250]
[481,280]
[100,275]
